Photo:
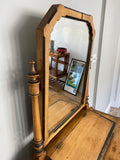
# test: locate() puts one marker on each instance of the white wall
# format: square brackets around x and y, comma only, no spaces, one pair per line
[18,21]
[108,81]
[73,35]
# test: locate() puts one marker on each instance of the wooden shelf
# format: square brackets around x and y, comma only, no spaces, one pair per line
[58,54]
[60,74]
[55,73]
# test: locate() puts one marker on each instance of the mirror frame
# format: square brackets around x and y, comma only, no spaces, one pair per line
[43,32]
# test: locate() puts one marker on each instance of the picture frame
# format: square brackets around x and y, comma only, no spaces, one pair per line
[74,76]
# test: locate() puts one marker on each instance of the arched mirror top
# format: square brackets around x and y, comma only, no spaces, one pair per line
[57,11]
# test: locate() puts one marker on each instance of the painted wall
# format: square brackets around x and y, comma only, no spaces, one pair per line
[18,21]
[108,92]
[74,36]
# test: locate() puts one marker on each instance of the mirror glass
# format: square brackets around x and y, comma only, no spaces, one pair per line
[67,61]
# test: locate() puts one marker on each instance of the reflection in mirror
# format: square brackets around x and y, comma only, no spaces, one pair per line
[67,59]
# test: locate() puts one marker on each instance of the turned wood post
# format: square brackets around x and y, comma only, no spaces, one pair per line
[38,148]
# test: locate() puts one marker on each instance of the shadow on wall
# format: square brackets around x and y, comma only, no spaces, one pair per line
[27,43]
[23,42]
[25,153]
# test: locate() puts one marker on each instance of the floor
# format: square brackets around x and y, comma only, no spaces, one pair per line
[61,106]
[115,111]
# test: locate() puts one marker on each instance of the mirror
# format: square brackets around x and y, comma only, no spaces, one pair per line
[60,96]
[66,70]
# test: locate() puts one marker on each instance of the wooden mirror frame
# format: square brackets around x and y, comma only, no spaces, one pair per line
[44,30]
[41,84]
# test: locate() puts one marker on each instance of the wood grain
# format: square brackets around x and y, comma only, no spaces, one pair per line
[82,139]
[61,106]
[44,30]
[113,152]
[58,111]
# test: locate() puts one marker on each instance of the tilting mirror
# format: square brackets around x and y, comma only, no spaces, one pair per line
[68,50]
[64,46]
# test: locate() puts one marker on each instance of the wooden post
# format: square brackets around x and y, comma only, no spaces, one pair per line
[38,153]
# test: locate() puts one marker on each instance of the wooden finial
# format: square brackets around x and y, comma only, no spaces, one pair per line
[32,66]
[33,75]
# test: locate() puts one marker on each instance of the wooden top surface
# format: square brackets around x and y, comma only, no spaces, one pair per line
[58,55]
[84,137]
[113,152]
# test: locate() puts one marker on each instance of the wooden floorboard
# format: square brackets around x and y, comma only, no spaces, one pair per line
[61,105]
[58,111]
